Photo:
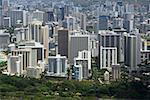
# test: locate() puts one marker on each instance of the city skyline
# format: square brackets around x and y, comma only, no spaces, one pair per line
[97,42]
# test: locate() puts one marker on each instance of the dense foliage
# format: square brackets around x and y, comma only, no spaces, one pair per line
[17,87]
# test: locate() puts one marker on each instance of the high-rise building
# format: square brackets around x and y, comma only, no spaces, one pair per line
[128,23]
[131,54]
[39,33]
[22,34]
[111,39]
[18,16]
[33,54]
[49,16]
[120,7]
[108,57]
[70,23]
[66,7]
[35,46]
[26,58]
[57,66]
[38,15]
[103,22]
[63,42]
[83,22]
[78,42]
[62,13]
[84,59]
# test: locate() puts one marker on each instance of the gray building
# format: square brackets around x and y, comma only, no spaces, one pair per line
[131,55]
[4,40]
[78,42]
[128,22]
[63,42]
[111,39]
[103,22]
[18,16]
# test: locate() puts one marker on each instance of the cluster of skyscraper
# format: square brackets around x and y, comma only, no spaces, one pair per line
[58,36]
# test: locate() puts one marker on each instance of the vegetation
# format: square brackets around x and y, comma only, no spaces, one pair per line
[3,63]
[27,88]
[3,66]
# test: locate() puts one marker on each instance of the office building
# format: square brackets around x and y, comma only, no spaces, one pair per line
[38,15]
[37,47]
[83,21]
[112,39]
[60,14]
[78,42]
[22,34]
[39,33]
[49,16]
[84,59]
[63,42]
[18,15]
[131,56]
[103,22]
[70,23]
[28,60]
[33,54]
[108,57]
[128,22]
[57,66]
[35,30]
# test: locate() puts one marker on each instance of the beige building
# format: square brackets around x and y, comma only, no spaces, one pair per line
[39,33]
